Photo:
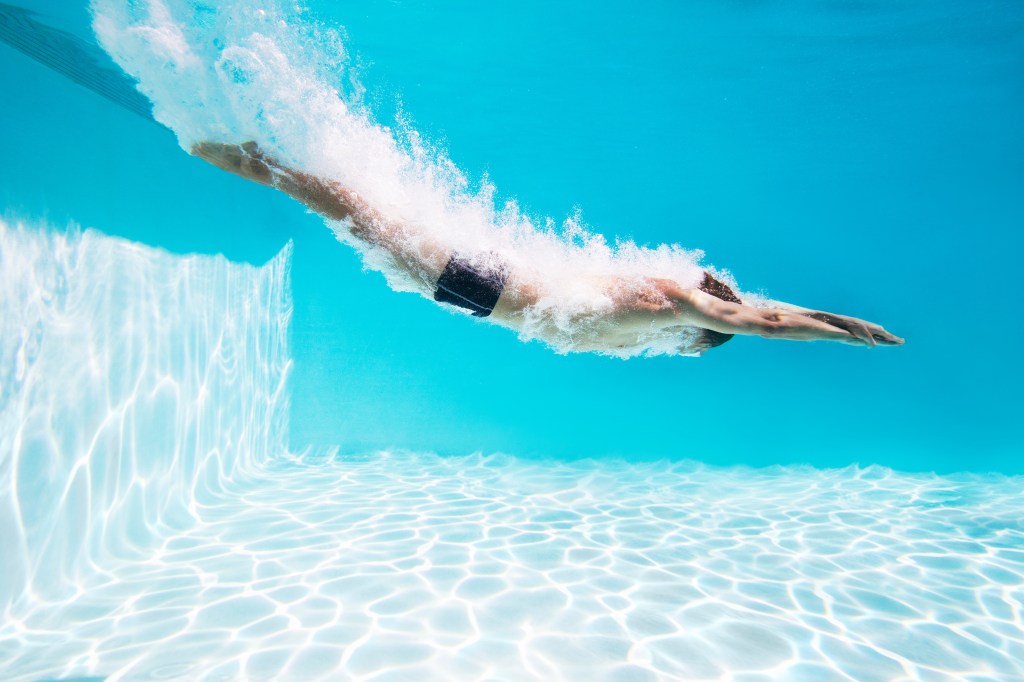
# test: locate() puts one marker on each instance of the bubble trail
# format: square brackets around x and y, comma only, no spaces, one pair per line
[239,71]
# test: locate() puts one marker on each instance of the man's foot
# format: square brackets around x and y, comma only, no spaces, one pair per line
[245,160]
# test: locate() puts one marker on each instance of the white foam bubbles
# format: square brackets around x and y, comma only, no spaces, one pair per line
[236,72]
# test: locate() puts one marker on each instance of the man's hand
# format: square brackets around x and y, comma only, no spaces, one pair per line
[245,160]
[869,334]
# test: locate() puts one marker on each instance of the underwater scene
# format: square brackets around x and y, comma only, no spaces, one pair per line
[459,341]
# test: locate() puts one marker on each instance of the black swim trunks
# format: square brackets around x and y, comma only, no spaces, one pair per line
[472,285]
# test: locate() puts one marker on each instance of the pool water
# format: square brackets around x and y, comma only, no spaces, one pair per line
[227,451]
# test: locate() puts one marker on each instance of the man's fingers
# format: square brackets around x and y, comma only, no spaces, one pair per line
[882,336]
[861,331]
[887,338]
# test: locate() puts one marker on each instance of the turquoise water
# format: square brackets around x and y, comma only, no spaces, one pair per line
[267,464]
[861,159]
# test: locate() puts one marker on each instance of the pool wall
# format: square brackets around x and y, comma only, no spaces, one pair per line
[135,384]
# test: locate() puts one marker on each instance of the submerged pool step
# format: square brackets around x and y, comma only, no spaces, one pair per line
[79,60]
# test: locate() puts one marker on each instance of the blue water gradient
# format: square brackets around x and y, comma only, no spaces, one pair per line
[858,157]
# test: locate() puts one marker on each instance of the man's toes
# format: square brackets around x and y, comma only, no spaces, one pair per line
[200,149]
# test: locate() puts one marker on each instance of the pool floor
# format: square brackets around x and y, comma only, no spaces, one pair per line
[403,566]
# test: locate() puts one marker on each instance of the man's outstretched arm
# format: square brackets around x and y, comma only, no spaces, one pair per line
[706,311]
[696,308]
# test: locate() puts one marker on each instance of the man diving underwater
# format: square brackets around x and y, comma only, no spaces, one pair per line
[708,314]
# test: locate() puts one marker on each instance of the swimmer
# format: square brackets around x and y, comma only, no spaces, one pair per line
[486,287]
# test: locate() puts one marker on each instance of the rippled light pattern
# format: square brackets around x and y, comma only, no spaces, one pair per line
[154,525]
[133,384]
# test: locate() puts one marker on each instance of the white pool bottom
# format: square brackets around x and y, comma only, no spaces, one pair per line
[413,567]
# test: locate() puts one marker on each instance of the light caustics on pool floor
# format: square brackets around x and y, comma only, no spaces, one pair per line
[155,527]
